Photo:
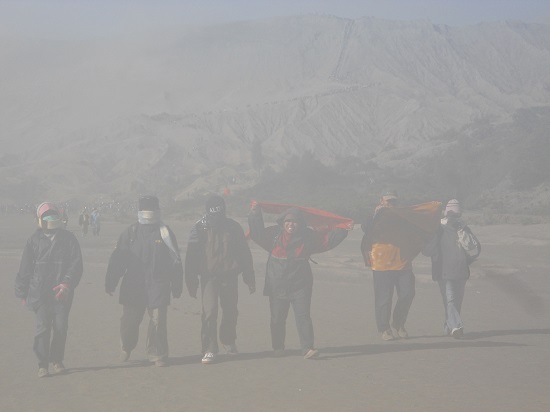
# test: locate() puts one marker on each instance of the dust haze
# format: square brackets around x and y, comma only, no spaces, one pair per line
[306,106]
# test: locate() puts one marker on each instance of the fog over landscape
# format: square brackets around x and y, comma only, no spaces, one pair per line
[318,103]
[179,110]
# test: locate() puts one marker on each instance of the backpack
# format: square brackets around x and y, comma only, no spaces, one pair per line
[469,243]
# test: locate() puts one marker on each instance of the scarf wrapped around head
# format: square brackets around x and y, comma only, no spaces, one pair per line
[149,210]
[149,217]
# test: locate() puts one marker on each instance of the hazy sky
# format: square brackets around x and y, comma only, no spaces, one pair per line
[59,17]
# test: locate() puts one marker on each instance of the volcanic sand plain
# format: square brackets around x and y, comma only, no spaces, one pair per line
[501,364]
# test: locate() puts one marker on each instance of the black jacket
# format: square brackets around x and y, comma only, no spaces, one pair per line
[217,250]
[148,272]
[450,261]
[46,263]
[288,269]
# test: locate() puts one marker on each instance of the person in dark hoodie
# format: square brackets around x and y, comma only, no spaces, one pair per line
[50,270]
[147,259]
[289,280]
[217,252]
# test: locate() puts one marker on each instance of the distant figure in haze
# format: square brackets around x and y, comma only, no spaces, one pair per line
[147,259]
[217,252]
[452,250]
[64,217]
[50,270]
[84,221]
[95,221]
[390,270]
[288,279]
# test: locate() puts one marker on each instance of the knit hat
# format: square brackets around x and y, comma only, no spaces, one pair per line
[215,205]
[149,203]
[453,206]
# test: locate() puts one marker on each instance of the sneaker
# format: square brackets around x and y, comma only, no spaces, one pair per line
[124,356]
[387,335]
[42,372]
[58,368]
[161,363]
[208,357]
[231,349]
[311,354]
[457,333]
[402,332]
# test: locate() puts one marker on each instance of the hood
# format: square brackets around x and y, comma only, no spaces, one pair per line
[295,212]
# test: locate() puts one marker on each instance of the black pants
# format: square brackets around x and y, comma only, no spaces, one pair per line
[51,316]
[157,332]
[301,305]
[225,291]
[385,282]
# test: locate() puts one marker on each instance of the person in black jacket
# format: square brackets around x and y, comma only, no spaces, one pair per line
[218,252]
[50,270]
[288,279]
[147,259]
[452,250]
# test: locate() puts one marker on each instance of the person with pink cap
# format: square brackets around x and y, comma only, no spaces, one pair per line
[452,250]
[50,270]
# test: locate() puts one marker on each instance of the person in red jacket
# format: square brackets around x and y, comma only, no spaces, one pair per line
[50,270]
[289,280]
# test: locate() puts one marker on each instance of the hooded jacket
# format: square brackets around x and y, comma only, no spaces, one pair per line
[288,269]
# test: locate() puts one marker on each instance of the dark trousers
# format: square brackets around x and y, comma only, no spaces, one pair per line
[403,281]
[225,291]
[156,345]
[301,306]
[51,317]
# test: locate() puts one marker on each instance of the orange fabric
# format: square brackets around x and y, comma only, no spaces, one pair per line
[398,234]
[316,218]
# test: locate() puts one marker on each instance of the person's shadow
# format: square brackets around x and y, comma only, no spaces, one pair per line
[470,340]
[141,363]
[404,345]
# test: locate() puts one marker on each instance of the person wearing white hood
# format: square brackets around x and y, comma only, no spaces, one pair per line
[452,250]
[50,270]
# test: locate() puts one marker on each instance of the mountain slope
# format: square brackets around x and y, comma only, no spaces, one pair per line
[180,113]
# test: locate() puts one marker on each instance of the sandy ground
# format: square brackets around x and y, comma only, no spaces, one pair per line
[502,364]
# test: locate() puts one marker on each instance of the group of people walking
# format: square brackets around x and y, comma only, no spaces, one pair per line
[147,264]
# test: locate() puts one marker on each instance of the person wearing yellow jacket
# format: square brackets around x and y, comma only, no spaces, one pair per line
[392,239]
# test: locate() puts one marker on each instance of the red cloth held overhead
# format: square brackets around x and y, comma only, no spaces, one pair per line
[315,218]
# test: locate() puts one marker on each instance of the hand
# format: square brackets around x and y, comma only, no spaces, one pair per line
[252,289]
[62,290]
[24,301]
[253,206]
